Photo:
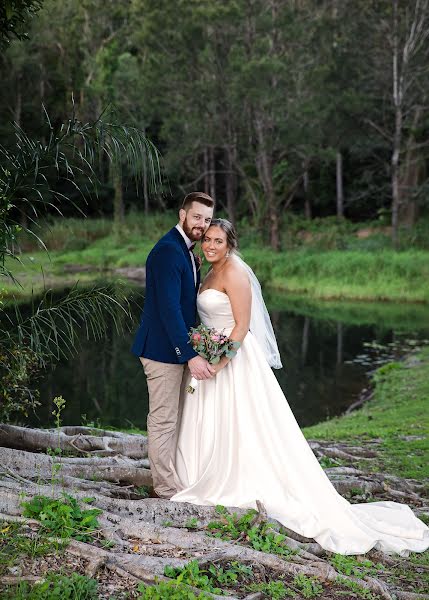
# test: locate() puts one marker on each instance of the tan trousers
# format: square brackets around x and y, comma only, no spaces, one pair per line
[164,384]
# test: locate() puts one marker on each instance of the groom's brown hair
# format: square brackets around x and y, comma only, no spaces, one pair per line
[200,197]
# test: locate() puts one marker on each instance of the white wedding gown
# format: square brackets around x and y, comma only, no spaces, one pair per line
[239,442]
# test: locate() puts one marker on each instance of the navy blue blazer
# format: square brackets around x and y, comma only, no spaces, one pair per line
[170,302]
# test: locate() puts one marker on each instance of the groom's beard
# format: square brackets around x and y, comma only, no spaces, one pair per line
[194,233]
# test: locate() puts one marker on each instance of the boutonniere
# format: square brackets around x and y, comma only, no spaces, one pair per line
[198,261]
[199,258]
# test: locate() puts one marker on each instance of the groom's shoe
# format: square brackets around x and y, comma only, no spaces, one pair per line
[153,494]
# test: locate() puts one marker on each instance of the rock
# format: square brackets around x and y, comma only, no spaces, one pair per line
[134,273]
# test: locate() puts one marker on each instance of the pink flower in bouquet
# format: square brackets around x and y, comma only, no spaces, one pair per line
[196,337]
[215,337]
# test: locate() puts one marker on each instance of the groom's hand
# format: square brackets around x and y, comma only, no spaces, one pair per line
[200,368]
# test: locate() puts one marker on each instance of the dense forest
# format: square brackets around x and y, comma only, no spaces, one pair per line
[308,122]
[315,107]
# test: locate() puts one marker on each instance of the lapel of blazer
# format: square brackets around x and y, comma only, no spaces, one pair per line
[198,277]
[184,247]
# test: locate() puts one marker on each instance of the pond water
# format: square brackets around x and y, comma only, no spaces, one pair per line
[328,351]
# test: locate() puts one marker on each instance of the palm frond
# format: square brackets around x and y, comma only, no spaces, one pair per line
[52,330]
[29,176]
[71,153]
[74,149]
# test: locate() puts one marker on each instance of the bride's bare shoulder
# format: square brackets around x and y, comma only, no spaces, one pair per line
[235,275]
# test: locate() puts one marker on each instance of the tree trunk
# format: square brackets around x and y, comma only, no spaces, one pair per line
[42,103]
[230,184]
[206,171]
[339,185]
[306,186]
[252,197]
[42,99]
[18,105]
[305,338]
[18,116]
[212,173]
[340,335]
[118,198]
[145,189]
[395,176]
[397,136]
[411,171]
[264,167]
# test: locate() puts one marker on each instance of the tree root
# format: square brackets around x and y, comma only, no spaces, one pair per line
[28,464]
[81,439]
[143,543]
[16,579]
[148,569]
[151,568]
[400,595]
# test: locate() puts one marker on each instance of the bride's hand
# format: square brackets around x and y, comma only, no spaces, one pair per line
[216,368]
[220,365]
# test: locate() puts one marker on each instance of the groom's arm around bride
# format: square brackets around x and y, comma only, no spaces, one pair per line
[161,341]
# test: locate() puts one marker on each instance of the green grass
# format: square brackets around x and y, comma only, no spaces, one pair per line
[350,566]
[55,587]
[333,264]
[398,415]
[357,590]
[90,243]
[14,543]
[338,274]
[357,275]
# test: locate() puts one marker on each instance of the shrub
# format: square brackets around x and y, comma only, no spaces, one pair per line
[63,516]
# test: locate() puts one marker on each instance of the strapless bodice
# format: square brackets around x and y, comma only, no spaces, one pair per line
[215,310]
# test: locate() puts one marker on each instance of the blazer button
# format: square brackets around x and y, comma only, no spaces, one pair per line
[178,352]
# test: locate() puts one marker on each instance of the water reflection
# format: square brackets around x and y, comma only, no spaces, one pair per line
[322,372]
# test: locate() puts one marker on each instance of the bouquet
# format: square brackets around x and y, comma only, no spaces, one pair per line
[212,345]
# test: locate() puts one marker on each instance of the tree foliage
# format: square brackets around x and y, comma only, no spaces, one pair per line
[14,18]
[268,106]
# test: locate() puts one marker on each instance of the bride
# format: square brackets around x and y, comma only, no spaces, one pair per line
[239,442]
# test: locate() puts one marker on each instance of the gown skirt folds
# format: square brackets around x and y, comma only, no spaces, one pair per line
[239,442]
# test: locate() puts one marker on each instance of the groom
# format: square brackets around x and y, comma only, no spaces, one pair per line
[161,342]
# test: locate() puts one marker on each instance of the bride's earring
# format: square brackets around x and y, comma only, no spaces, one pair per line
[227,254]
